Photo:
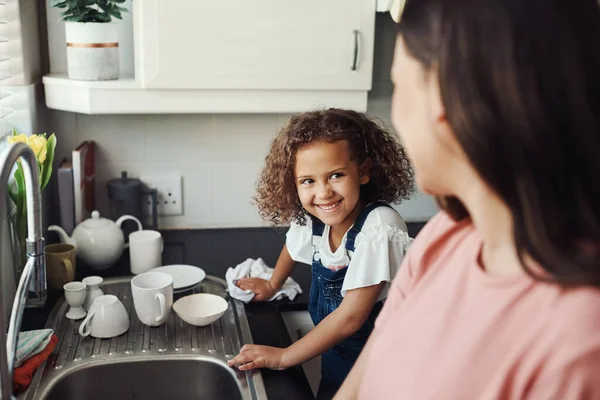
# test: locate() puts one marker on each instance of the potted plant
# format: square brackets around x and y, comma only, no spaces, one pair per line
[92,40]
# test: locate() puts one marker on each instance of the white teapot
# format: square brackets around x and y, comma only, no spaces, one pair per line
[99,242]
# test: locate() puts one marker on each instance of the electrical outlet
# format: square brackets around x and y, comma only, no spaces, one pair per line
[169,194]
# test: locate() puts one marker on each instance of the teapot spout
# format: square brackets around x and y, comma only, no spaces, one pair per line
[64,238]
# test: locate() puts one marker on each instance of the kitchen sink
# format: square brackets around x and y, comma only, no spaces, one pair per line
[202,378]
[175,360]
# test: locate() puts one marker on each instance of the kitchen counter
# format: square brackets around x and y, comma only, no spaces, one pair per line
[203,249]
[215,250]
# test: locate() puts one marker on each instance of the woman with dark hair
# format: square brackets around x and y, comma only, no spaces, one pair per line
[498,106]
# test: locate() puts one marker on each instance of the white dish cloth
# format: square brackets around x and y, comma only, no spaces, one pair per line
[252,268]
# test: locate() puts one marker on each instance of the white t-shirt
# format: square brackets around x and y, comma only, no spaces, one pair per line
[378,250]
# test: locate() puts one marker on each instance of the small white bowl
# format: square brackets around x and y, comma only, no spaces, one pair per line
[200,309]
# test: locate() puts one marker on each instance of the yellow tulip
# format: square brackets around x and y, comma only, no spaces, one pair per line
[22,138]
[38,145]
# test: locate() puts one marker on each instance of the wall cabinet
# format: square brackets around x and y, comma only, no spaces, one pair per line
[265,44]
[237,56]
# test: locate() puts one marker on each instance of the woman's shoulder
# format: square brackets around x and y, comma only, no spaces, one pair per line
[575,307]
[440,239]
[442,233]
[442,224]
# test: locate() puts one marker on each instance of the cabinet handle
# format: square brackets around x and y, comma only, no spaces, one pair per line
[355,35]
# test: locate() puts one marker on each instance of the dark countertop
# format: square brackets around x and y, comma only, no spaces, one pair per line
[215,250]
[203,249]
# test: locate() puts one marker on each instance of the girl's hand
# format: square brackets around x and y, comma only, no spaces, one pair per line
[262,289]
[254,356]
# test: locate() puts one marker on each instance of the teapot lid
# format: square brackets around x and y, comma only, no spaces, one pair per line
[95,221]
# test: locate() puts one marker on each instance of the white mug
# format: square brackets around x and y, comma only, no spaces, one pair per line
[145,249]
[106,318]
[152,294]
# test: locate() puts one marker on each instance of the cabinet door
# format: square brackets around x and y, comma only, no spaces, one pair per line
[298,324]
[259,44]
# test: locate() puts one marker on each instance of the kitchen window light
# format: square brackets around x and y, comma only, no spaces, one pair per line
[17,105]
[19,65]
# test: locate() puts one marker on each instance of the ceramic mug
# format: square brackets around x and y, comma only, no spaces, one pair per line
[60,264]
[106,318]
[152,294]
[145,249]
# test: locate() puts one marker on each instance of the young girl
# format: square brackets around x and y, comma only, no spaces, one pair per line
[498,104]
[328,173]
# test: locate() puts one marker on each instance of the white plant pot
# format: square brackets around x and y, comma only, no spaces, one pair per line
[92,51]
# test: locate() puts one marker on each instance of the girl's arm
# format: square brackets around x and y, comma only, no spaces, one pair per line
[264,289]
[337,326]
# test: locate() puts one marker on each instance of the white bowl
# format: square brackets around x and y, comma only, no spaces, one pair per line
[200,309]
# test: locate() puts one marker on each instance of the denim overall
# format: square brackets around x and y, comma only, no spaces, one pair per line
[325,297]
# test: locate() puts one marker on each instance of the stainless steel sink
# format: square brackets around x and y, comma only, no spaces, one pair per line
[172,378]
[175,360]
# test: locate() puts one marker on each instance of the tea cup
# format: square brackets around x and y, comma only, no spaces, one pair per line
[106,318]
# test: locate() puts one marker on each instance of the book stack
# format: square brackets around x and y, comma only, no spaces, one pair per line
[76,178]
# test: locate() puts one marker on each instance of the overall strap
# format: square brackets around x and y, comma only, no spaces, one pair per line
[358,224]
[318,228]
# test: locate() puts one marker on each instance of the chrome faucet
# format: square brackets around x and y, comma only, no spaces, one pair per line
[33,278]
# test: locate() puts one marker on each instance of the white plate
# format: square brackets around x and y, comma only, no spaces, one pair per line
[184,276]
[184,289]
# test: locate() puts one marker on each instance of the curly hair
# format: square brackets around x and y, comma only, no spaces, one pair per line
[391,175]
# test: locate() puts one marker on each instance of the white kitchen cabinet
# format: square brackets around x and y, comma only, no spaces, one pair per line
[264,44]
[234,56]
[298,324]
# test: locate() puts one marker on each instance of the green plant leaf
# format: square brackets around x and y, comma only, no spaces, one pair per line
[116,14]
[86,10]
[47,166]
[104,18]
[12,192]
[59,3]
[72,19]
[20,179]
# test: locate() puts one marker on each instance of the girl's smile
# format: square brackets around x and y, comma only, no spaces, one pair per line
[330,207]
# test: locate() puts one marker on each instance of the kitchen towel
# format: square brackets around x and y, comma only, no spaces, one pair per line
[30,343]
[24,374]
[257,269]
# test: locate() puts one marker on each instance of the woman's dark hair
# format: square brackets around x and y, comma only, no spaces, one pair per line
[520,82]
[391,176]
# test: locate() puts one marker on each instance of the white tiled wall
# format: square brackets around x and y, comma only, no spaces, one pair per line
[219,156]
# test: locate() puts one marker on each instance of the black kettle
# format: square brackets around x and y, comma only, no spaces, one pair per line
[130,196]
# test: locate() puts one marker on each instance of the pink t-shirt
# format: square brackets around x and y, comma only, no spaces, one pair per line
[449,330]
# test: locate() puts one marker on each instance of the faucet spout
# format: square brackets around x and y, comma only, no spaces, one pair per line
[33,279]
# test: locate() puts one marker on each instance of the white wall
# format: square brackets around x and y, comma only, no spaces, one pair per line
[219,156]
